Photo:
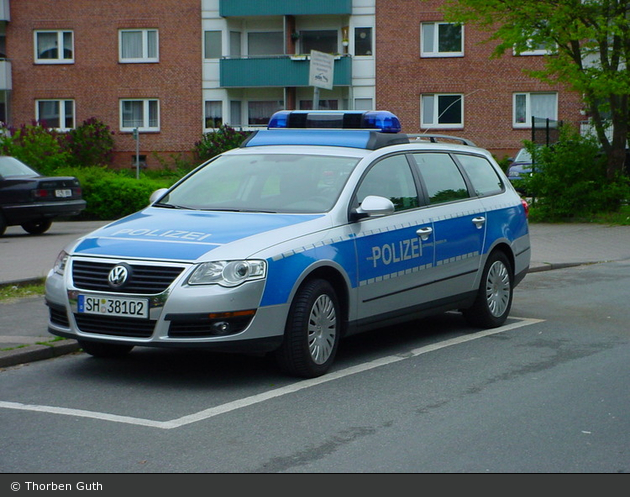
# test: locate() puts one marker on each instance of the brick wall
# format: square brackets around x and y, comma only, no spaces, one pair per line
[488,84]
[96,80]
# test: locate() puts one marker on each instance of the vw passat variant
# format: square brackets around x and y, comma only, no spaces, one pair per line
[320,226]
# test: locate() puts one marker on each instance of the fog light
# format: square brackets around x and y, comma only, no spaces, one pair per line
[221,327]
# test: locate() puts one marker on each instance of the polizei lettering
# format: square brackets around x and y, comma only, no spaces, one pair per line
[390,253]
[179,234]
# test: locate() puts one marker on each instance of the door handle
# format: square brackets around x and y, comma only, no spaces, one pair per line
[424,233]
[479,221]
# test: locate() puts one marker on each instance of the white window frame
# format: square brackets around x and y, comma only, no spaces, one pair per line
[60,59]
[146,57]
[145,126]
[434,51]
[435,117]
[61,112]
[527,121]
[218,103]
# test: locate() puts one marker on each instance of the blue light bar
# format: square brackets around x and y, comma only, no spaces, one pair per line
[377,120]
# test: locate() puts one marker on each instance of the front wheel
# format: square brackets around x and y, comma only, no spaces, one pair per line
[494,297]
[105,350]
[312,331]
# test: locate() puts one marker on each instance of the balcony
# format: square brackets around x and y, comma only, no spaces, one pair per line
[282,71]
[5,75]
[244,8]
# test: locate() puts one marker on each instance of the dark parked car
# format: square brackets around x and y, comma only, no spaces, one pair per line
[31,200]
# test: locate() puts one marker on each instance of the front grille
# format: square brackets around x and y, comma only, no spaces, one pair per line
[109,325]
[200,328]
[145,279]
[58,316]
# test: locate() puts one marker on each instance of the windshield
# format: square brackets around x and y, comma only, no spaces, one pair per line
[10,166]
[264,183]
[523,156]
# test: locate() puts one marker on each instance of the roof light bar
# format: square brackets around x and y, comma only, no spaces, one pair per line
[378,120]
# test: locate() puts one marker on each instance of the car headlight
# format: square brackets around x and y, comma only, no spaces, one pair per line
[60,263]
[228,273]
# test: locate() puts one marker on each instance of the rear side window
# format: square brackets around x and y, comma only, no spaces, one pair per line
[483,176]
[441,176]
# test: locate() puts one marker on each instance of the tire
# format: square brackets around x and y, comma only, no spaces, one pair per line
[312,332]
[494,298]
[37,227]
[3,225]
[105,350]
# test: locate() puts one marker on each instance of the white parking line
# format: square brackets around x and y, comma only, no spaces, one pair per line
[262,397]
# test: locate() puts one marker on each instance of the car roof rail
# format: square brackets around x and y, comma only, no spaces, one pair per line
[433,138]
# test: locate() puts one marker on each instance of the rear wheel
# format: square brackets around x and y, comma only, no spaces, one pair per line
[494,298]
[37,227]
[312,331]
[3,225]
[99,349]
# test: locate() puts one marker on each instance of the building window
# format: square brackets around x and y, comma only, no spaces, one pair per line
[442,111]
[539,105]
[322,41]
[141,114]
[363,104]
[442,39]
[265,43]
[235,44]
[363,41]
[235,113]
[214,114]
[138,45]
[259,113]
[56,114]
[54,47]
[323,105]
[212,45]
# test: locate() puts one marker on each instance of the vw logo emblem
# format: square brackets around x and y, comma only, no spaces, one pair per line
[119,275]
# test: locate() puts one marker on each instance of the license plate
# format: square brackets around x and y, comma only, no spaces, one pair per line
[113,306]
[63,193]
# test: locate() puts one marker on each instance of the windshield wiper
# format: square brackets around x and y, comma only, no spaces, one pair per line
[170,206]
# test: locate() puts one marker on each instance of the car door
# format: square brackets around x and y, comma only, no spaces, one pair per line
[394,252]
[459,224]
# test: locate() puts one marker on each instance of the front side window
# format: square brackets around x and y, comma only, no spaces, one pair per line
[141,114]
[56,114]
[441,177]
[441,39]
[536,105]
[214,114]
[390,178]
[54,47]
[442,111]
[138,45]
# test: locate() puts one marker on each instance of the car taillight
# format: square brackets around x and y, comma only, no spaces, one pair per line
[41,193]
[525,207]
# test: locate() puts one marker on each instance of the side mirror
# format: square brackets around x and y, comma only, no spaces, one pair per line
[157,194]
[373,206]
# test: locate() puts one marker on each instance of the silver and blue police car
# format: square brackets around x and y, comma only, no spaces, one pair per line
[320,226]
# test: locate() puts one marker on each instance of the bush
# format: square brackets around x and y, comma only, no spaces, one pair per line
[569,179]
[110,194]
[216,142]
[90,144]
[36,146]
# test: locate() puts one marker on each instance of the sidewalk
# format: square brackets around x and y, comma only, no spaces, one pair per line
[23,322]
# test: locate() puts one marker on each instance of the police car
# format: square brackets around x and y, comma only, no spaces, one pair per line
[320,226]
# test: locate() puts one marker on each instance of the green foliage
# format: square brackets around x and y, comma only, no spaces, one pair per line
[224,138]
[90,144]
[112,194]
[569,179]
[36,146]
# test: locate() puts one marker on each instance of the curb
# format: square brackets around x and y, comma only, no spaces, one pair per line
[32,353]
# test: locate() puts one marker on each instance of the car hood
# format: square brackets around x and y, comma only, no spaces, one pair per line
[156,233]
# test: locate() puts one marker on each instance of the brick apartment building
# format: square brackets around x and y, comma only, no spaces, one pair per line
[175,69]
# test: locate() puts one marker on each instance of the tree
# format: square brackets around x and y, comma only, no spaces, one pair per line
[589,44]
